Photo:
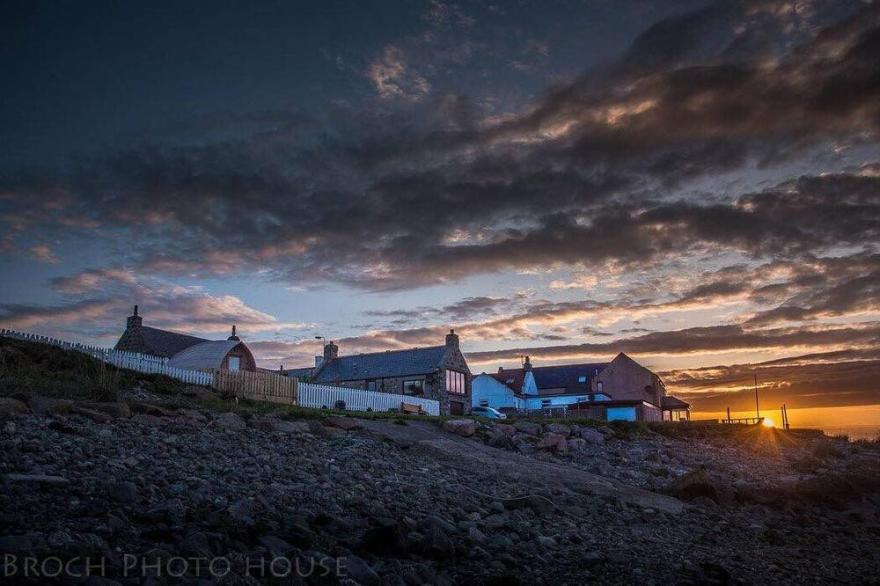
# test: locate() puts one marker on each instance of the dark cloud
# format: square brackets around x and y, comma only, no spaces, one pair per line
[406,199]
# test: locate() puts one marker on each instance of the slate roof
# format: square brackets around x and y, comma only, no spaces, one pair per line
[299,372]
[670,402]
[563,379]
[158,342]
[203,355]
[382,364]
[513,378]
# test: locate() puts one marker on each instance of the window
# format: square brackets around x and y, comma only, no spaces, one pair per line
[371,385]
[600,386]
[484,403]
[545,402]
[582,379]
[414,387]
[456,382]
[234,363]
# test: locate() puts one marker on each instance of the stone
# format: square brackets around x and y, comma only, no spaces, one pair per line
[576,444]
[193,414]
[538,503]
[496,521]
[122,492]
[528,427]
[476,536]
[46,406]
[506,429]
[113,409]
[149,419]
[96,416]
[546,542]
[693,484]
[558,428]
[150,409]
[10,407]
[553,442]
[44,479]
[229,422]
[591,435]
[462,427]
[346,423]
[275,545]
[290,426]
[242,511]
[354,568]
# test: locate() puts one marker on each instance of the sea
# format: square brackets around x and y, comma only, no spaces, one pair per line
[856,422]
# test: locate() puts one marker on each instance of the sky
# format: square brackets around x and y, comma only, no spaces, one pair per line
[694,183]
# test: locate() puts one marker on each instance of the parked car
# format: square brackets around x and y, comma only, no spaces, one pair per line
[488,413]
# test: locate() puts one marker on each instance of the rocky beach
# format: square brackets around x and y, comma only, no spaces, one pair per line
[180,486]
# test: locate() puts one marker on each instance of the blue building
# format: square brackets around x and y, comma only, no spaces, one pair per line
[618,390]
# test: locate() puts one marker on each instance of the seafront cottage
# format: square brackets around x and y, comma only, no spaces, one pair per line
[437,372]
[183,350]
[621,389]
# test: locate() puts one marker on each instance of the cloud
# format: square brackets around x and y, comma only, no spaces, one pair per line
[44,254]
[392,78]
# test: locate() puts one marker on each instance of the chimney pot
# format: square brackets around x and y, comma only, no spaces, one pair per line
[134,320]
[452,339]
[331,351]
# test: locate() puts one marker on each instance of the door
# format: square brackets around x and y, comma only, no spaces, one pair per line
[456,408]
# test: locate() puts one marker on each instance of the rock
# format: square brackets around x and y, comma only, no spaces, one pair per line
[554,442]
[499,439]
[150,409]
[122,492]
[199,392]
[695,483]
[476,536]
[114,409]
[462,427]
[46,406]
[290,426]
[171,511]
[96,416]
[528,427]
[229,422]
[558,428]
[576,444]
[275,545]
[438,543]
[354,568]
[10,407]
[592,435]
[242,511]
[346,423]
[193,414]
[546,542]
[37,479]
[537,503]
[331,432]
[506,429]
[196,544]
[22,543]
[61,426]
[149,419]
[496,521]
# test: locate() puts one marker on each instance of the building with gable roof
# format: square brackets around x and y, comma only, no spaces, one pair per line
[183,350]
[621,389]
[435,372]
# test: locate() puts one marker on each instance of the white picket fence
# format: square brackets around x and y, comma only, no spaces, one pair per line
[130,360]
[306,394]
[325,396]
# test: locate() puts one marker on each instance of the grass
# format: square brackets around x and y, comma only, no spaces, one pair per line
[32,367]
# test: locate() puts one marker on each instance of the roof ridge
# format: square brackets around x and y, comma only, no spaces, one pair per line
[386,352]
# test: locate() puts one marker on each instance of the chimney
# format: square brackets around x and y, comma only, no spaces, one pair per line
[134,320]
[527,365]
[452,339]
[331,351]
[500,369]
[233,337]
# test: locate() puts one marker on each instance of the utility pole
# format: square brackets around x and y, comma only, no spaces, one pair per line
[757,405]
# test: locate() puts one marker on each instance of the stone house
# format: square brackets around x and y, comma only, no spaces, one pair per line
[436,372]
[183,350]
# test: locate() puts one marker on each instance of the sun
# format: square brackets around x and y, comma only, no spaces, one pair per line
[768,422]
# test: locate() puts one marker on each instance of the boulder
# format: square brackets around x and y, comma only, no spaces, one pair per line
[506,429]
[122,492]
[462,427]
[150,409]
[695,483]
[229,422]
[558,428]
[115,409]
[193,414]
[592,435]
[536,502]
[149,419]
[576,444]
[356,569]
[290,426]
[46,406]
[528,427]
[553,442]
[96,416]
[10,407]
[346,423]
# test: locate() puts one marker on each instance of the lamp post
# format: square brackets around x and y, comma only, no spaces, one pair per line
[757,405]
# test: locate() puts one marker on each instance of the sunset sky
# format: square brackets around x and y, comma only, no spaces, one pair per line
[696,184]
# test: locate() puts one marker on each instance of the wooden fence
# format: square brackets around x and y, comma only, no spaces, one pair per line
[259,386]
